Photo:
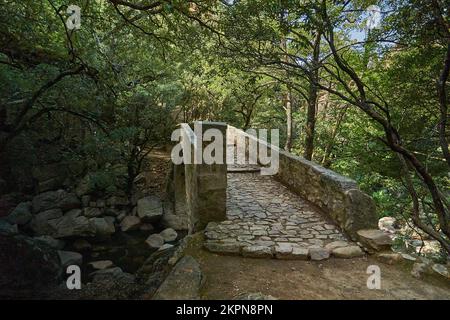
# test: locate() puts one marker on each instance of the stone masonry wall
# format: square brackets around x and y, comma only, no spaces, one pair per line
[201,188]
[336,195]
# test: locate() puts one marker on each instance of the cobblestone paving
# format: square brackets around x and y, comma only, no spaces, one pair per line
[265,219]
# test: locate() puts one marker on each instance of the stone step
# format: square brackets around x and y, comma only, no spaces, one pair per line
[283,251]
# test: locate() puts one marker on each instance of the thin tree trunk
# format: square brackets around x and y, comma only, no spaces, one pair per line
[443,107]
[393,140]
[288,108]
[330,145]
[312,101]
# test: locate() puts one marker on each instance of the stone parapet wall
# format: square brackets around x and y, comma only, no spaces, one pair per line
[200,189]
[335,194]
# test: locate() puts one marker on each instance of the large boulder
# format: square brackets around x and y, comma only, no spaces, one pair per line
[175,221]
[68,258]
[68,226]
[169,235]
[21,214]
[155,241]
[130,223]
[103,226]
[183,283]
[149,209]
[42,224]
[59,199]
[388,224]
[374,240]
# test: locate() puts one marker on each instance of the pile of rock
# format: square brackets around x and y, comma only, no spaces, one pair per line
[288,251]
[380,242]
[61,219]
[374,240]
[147,211]
[161,241]
[61,214]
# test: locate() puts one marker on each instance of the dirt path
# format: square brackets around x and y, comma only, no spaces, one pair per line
[229,276]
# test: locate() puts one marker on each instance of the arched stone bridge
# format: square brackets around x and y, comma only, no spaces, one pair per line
[303,212]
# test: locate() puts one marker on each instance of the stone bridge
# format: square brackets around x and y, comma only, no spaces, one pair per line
[304,211]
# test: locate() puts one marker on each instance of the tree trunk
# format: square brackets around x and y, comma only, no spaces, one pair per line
[442,93]
[312,101]
[326,158]
[288,108]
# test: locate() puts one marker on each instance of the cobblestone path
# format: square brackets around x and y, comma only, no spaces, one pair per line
[265,219]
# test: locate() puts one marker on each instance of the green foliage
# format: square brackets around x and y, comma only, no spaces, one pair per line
[139,72]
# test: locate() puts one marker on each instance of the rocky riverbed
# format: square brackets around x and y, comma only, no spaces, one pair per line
[112,238]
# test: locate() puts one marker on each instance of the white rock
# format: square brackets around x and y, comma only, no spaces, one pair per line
[387,224]
[101,264]
[408,257]
[441,270]
[165,247]
[347,252]
[155,241]
[169,234]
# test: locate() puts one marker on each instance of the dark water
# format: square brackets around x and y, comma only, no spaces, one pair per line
[126,250]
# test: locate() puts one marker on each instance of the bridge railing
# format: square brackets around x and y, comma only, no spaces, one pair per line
[336,195]
[199,189]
